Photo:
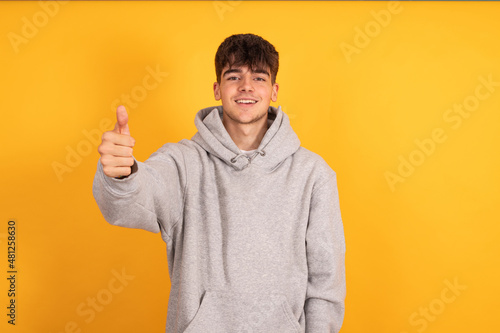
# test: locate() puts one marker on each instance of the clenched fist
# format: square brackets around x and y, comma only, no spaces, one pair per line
[116,147]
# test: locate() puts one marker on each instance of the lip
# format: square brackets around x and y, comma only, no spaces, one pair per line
[246,106]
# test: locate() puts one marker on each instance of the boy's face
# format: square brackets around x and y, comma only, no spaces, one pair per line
[240,84]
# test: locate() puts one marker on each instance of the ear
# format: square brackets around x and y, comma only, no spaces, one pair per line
[274,94]
[217,91]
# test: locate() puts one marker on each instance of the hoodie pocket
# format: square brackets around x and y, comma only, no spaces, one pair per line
[231,312]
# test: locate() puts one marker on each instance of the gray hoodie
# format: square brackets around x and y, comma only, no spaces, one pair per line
[254,243]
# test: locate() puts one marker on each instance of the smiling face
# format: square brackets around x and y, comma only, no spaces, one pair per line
[245,94]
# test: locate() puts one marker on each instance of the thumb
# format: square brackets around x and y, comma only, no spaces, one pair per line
[121,121]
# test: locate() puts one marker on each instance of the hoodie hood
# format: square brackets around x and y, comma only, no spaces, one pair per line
[279,142]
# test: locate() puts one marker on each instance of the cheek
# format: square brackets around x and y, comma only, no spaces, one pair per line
[226,93]
[267,93]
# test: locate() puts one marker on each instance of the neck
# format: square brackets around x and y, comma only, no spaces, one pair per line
[246,136]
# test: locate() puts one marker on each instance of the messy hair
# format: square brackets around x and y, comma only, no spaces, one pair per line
[246,49]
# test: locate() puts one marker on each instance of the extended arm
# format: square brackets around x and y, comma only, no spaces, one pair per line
[150,196]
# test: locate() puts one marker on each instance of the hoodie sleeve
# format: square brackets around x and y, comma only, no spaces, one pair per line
[151,198]
[325,246]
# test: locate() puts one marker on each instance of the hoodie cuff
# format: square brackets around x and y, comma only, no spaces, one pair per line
[120,186]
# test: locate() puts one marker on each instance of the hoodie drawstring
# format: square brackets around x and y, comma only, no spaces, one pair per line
[258,152]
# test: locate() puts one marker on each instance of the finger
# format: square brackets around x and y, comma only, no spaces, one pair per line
[116,171]
[115,150]
[122,121]
[113,161]
[118,139]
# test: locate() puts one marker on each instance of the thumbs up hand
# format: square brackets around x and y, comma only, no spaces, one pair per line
[116,147]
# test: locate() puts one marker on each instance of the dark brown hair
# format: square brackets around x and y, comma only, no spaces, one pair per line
[246,49]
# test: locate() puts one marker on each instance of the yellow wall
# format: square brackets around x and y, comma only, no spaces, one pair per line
[402,100]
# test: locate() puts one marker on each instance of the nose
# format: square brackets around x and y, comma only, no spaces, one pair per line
[246,83]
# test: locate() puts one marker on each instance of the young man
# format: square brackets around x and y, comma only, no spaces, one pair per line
[251,220]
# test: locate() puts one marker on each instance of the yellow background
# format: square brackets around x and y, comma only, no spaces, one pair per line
[361,111]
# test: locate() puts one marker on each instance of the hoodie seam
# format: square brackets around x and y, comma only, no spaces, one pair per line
[330,176]
[319,187]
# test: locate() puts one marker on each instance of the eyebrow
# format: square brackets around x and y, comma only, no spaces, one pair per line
[237,70]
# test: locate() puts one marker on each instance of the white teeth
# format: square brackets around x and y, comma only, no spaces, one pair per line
[246,101]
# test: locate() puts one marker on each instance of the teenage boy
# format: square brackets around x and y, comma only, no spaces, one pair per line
[251,219]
